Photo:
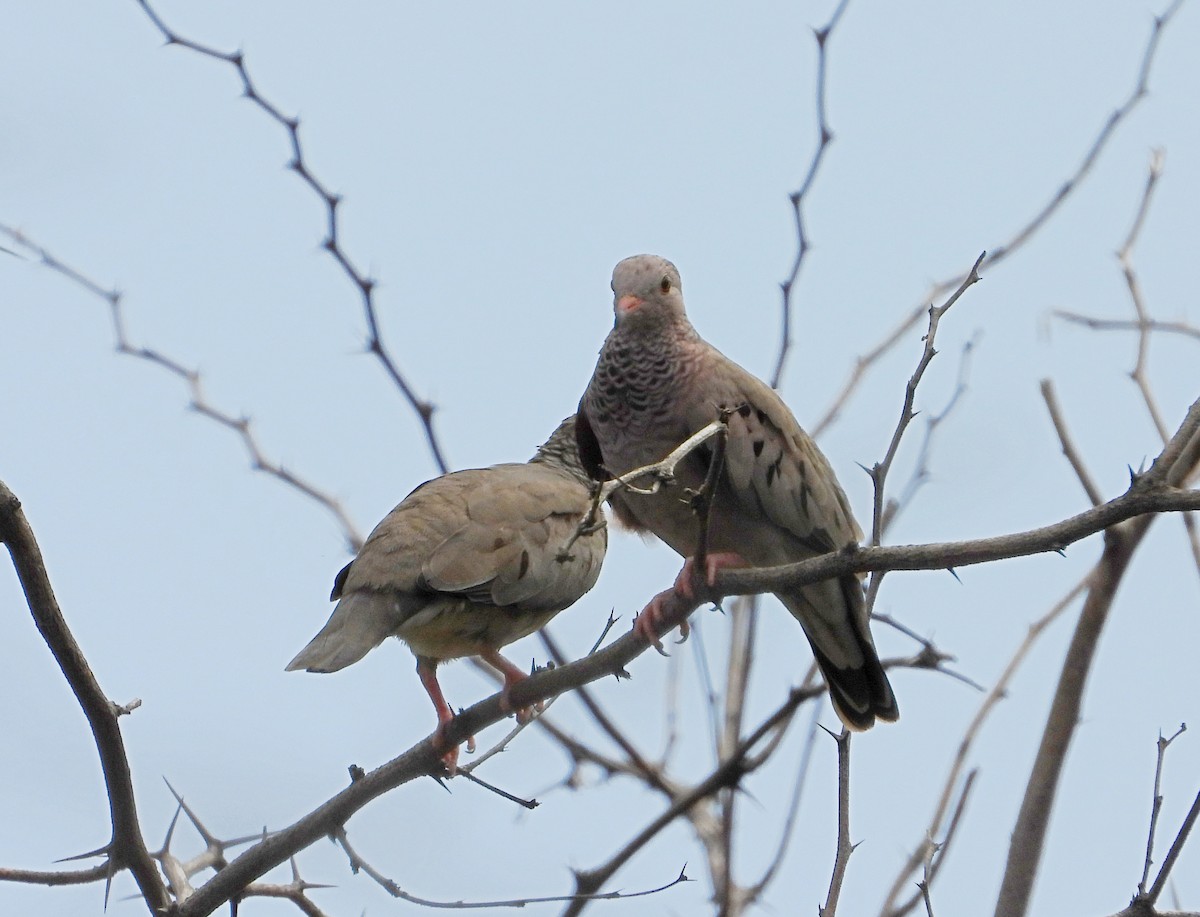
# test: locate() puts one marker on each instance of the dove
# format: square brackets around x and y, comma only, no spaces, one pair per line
[776,500]
[467,563]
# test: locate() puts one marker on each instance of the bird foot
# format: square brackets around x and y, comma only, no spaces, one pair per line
[658,617]
[450,752]
[523,714]
[663,612]
[512,676]
[713,564]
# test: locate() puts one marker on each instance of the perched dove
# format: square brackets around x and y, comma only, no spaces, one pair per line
[776,502]
[466,564]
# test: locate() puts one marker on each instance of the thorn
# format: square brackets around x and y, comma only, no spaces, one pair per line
[356,773]
[954,573]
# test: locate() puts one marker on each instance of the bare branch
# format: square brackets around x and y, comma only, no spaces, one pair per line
[824,138]
[198,401]
[298,164]
[998,691]
[1156,805]
[1001,252]
[844,847]
[126,849]
[879,471]
[1185,829]
[1128,324]
[921,472]
[1033,820]
[56,877]
[1068,444]
[393,888]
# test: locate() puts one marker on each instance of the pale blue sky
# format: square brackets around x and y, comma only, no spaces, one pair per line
[496,161]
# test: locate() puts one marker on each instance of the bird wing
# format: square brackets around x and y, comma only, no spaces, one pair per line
[774,470]
[514,523]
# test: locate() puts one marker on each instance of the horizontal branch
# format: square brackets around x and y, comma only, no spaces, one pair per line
[56,877]
[1137,501]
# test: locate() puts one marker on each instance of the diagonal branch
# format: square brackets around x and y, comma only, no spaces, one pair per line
[364,284]
[1001,252]
[126,849]
[197,399]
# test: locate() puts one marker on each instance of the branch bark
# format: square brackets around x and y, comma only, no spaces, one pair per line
[126,847]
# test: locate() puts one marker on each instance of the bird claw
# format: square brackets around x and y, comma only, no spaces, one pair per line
[713,564]
[449,752]
[655,619]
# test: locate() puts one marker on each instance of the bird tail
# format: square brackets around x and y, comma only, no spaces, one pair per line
[360,622]
[833,615]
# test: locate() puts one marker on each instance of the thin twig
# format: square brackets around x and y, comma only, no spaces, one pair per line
[1184,329]
[1185,829]
[844,847]
[1068,444]
[993,697]
[1001,252]
[393,888]
[824,138]
[921,472]
[1156,804]
[333,244]
[197,400]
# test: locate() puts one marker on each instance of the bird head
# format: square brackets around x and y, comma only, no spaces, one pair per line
[646,292]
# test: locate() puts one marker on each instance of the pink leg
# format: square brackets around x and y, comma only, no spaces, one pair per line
[512,676]
[427,672]
[658,617]
[713,564]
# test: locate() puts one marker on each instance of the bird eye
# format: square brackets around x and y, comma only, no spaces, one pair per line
[666,285]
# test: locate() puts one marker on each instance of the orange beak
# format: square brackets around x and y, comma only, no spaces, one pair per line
[628,303]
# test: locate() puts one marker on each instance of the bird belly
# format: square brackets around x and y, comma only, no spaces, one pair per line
[455,627]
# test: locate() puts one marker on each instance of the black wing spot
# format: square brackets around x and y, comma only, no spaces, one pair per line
[758,448]
[772,470]
[744,410]
[339,582]
[524,565]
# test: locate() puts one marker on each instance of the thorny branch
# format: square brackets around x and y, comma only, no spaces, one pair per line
[333,243]
[1156,804]
[125,849]
[393,888]
[880,470]
[1001,252]
[1152,492]
[824,138]
[921,471]
[198,400]
[844,847]
[1174,464]
[991,699]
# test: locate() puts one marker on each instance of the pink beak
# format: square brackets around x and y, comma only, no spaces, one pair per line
[628,303]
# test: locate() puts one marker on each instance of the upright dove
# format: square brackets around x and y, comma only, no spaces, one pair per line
[776,501]
[467,563]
